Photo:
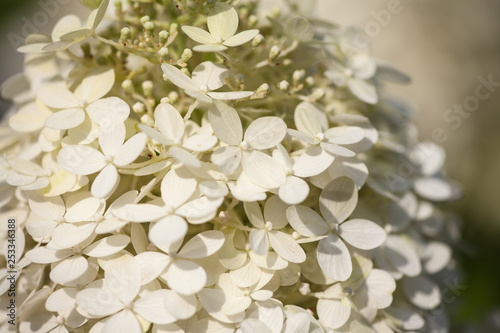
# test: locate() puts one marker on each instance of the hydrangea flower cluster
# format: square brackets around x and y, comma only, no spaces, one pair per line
[202,166]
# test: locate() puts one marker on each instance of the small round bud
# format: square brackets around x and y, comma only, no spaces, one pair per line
[165,78]
[150,28]
[298,75]
[318,94]
[173,96]
[163,53]
[310,81]
[274,52]
[287,62]
[252,20]
[263,90]
[173,28]
[145,19]
[128,86]
[186,55]
[163,35]
[284,85]
[125,34]
[146,119]
[257,40]
[147,87]
[139,108]
[165,100]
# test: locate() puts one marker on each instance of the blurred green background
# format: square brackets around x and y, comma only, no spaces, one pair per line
[445,46]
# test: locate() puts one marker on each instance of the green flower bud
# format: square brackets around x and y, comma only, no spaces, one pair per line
[128,86]
[139,108]
[186,55]
[147,87]
[150,28]
[253,20]
[163,53]
[257,40]
[125,34]
[274,52]
[284,85]
[145,19]
[173,96]
[298,75]
[163,35]
[173,28]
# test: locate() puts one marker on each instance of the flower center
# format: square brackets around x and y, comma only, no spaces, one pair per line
[109,159]
[334,227]
[348,292]
[268,226]
[204,88]
[219,40]
[244,145]
[319,138]
[348,72]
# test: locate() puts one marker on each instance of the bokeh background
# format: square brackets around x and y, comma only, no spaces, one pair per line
[445,46]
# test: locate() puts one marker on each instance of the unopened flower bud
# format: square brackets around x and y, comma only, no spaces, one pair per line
[257,40]
[128,86]
[298,75]
[125,34]
[145,19]
[146,119]
[173,96]
[163,53]
[150,28]
[173,28]
[240,79]
[165,100]
[139,108]
[252,20]
[186,55]
[263,90]
[318,94]
[274,52]
[163,35]
[284,85]
[310,81]
[147,87]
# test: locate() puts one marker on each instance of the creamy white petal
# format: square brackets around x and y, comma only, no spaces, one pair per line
[334,258]
[381,285]
[168,233]
[181,306]
[230,95]
[47,208]
[97,300]
[177,187]
[58,97]
[169,122]
[337,150]
[43,255]
[123,277]
[262,169]
[61,299]
[139,212]
[226,123]
[338,200]
[247,275]
[106,182]
[111,136]
[210,76]
[110,108]
[258,241]
[436,256]
[333,313]
[66,235]
[297,323]
[178,78]
[227,159]
[222,20]
[294,190]
[124,321]
[236,305]
[309,119]
[422,292]
[265,132]
[402,255]
[152,264]
[306,221]
[312,162]
[107,246]
[153,307]
[185,277]
[64,119]
[344,135]
[286,247]
[241,38]
[209,48]
[81,160]
[198,35]
[203,245]
[69,269]
[364,90]
[363,234]
[130,150]
[97,83]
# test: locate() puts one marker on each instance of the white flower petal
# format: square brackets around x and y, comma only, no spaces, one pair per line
[168,233]
[43,255]
[247,275]
[227,159]
[177,187]
[309,119]
[124,321]
[97,83]
[152,264]
[110,108]
[97,300]
[200,142]
[64,119]
[106,182]
[333,313]
[275,212]
[69,270]
[258,241]
[362,234]
[226,123]
[402,256]
[364,90]
[334,258]
[185,277]
[203,245]
[236,305]
[123,277]
[107,246]
[421,291]
[222,20]
[209,75]
[66,235]
[241,38]
[111,137]
[169,122]
[81,160]
[178,78]
[58,97]
[47,208]
[286,247]
[265,132]
[337,150]
[230,95]
[209,48]
[345,135]
[61,299]
[381,285]
[297,323]
[294,190]
[437,256]
[338,200]
[153,307]
[198,35]
[181,306]
[306,221]
[262,169]
[434,188]
[139,212]
[130,150]
[312,162]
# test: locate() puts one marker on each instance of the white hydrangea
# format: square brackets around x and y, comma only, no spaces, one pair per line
[148,200]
